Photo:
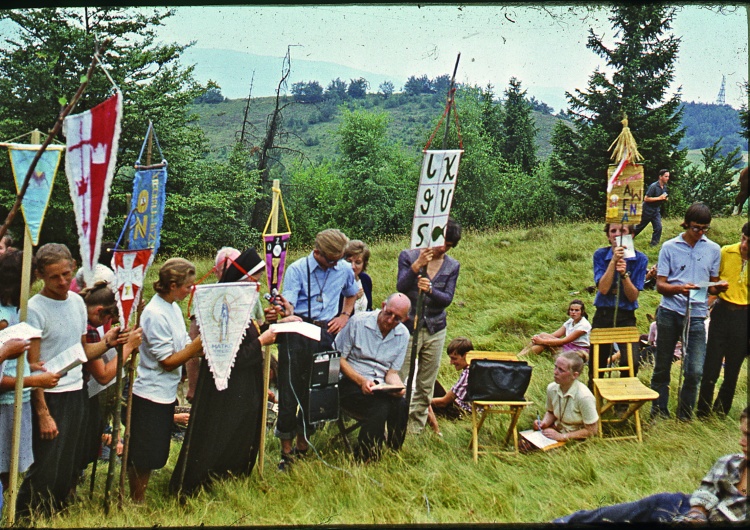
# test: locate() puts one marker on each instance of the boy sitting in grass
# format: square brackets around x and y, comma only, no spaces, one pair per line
[452,404]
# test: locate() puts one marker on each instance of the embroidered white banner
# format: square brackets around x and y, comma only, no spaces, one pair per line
[223,311]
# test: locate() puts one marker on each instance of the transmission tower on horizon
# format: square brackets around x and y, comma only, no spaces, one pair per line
[721,99]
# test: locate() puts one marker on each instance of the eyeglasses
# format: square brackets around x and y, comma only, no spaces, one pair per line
[703,229]
[390,314]
[330,262]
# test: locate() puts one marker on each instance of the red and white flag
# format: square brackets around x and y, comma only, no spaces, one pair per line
[130,270]
[618,170]
[92,138]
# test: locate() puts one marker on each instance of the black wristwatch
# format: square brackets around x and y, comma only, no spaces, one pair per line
[347,314]
[626,274]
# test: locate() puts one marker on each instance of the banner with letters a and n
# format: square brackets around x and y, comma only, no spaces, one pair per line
[437,184]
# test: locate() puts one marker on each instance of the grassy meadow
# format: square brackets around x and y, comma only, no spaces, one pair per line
[512,284]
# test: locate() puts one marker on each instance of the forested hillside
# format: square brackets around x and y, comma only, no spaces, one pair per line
[311,127]
[707,122]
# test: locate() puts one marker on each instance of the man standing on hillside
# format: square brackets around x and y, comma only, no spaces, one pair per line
[619,281]
[656,195]
[727,331]
[686,263]
[312,288]
[433,272]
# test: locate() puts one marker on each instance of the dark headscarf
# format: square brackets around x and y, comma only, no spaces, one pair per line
[248,263]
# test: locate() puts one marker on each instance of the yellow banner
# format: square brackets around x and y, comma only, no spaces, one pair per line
[625,200]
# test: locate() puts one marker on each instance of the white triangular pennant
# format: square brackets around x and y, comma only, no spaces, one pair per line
[223,311]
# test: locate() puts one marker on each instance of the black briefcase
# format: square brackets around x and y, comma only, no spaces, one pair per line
[498,380]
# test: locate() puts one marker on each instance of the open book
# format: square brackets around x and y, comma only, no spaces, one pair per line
[21,330]
[387,387]
[303,328]
[538,440]
[66,360]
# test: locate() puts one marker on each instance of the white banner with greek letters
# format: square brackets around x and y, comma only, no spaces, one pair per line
[437,184]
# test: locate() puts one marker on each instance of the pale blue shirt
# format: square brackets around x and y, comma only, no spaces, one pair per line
[682,264]
[370,354]
[326,286]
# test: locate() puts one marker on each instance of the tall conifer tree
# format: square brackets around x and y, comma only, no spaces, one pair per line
[641,63]
[517,144]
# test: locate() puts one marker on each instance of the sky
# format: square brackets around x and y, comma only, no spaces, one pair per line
[544,47]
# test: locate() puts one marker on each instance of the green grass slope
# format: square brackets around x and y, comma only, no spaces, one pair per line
[512,284]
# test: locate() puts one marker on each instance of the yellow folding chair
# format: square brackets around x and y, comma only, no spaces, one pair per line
[624,390]
[480,410]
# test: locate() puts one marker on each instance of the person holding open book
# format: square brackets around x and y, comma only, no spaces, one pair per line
[571,407]
[373,348]
[58,413]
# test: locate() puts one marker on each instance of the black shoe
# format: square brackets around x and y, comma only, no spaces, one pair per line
[287,459]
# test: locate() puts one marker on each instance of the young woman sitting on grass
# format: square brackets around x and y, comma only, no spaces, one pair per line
[571,407]
[573,335]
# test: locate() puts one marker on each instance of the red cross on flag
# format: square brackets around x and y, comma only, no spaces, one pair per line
[92,138]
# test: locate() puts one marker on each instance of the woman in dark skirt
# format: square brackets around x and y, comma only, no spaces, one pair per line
[225,426]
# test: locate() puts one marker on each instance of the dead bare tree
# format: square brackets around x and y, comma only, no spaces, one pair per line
[272,143]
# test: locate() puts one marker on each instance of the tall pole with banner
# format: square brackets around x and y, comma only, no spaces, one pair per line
[437,183]
[42,168]
[274,244]
[143,228]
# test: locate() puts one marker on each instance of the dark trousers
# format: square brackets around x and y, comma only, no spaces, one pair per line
[659,508]
[654,219]
[604,317]
[727,341]
[380,411]
[49,480]
[295,362]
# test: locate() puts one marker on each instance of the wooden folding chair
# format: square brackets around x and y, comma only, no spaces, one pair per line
[355,422]
[480,410]
[624,390]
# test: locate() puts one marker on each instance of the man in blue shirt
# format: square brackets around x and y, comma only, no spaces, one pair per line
[686,263]
[619,281]
[373,348]
[312,288]
[656,195]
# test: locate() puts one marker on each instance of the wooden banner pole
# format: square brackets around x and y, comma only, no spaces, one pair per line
[115,437]
[20,365]
[133,359]
[418,317]
[20,368]
[267,350]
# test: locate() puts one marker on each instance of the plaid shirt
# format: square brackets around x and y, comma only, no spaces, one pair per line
[92,334]
[718,492]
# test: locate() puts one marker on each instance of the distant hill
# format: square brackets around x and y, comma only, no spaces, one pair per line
[234,70]
[312,127]
[706,122]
